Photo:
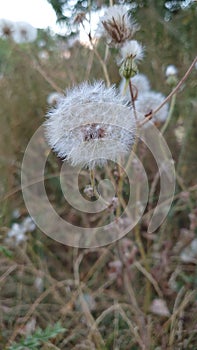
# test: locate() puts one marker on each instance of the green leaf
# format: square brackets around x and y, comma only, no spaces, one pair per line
[5,251]
[40,336]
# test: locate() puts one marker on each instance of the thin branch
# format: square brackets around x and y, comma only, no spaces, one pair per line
[174,91]
[47,78]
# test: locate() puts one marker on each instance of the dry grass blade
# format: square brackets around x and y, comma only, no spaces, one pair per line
[150,278]
[178,309]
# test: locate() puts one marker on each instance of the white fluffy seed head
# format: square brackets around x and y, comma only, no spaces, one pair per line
[117,25]
[7,28]
[24,33]
[141,82]
[147,103]
[171,70]
[90,125]
[131,49]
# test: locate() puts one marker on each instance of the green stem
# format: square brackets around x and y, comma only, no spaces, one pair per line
[171,110]
[132,99]
[92,180]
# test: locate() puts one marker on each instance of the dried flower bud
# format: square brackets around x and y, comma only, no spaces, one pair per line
[128,68]
[118,25]
[131,52]
[79,18]
[171,75]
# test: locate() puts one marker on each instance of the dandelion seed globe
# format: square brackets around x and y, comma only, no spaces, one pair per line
[90,125]
[24,33]
[7,28]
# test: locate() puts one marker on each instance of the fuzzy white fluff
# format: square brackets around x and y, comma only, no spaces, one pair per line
[90,125]
[53,97]
[132,49]
[117,12]
[24,33]
[171,70]
[149,101]
[141,82]
[7,28]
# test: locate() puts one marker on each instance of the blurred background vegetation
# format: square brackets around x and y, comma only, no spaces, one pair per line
[43,282]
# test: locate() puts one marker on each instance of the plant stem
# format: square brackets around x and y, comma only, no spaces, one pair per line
[47,78]
[92,180]
[103,64]
[132,99]
[119,191]
[174,91]
[172,104]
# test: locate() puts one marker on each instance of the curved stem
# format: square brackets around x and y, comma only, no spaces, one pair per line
[173,92]
[172,104]
[178,86]
[47,78]
[105,71]
[27,56]
[102,62]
